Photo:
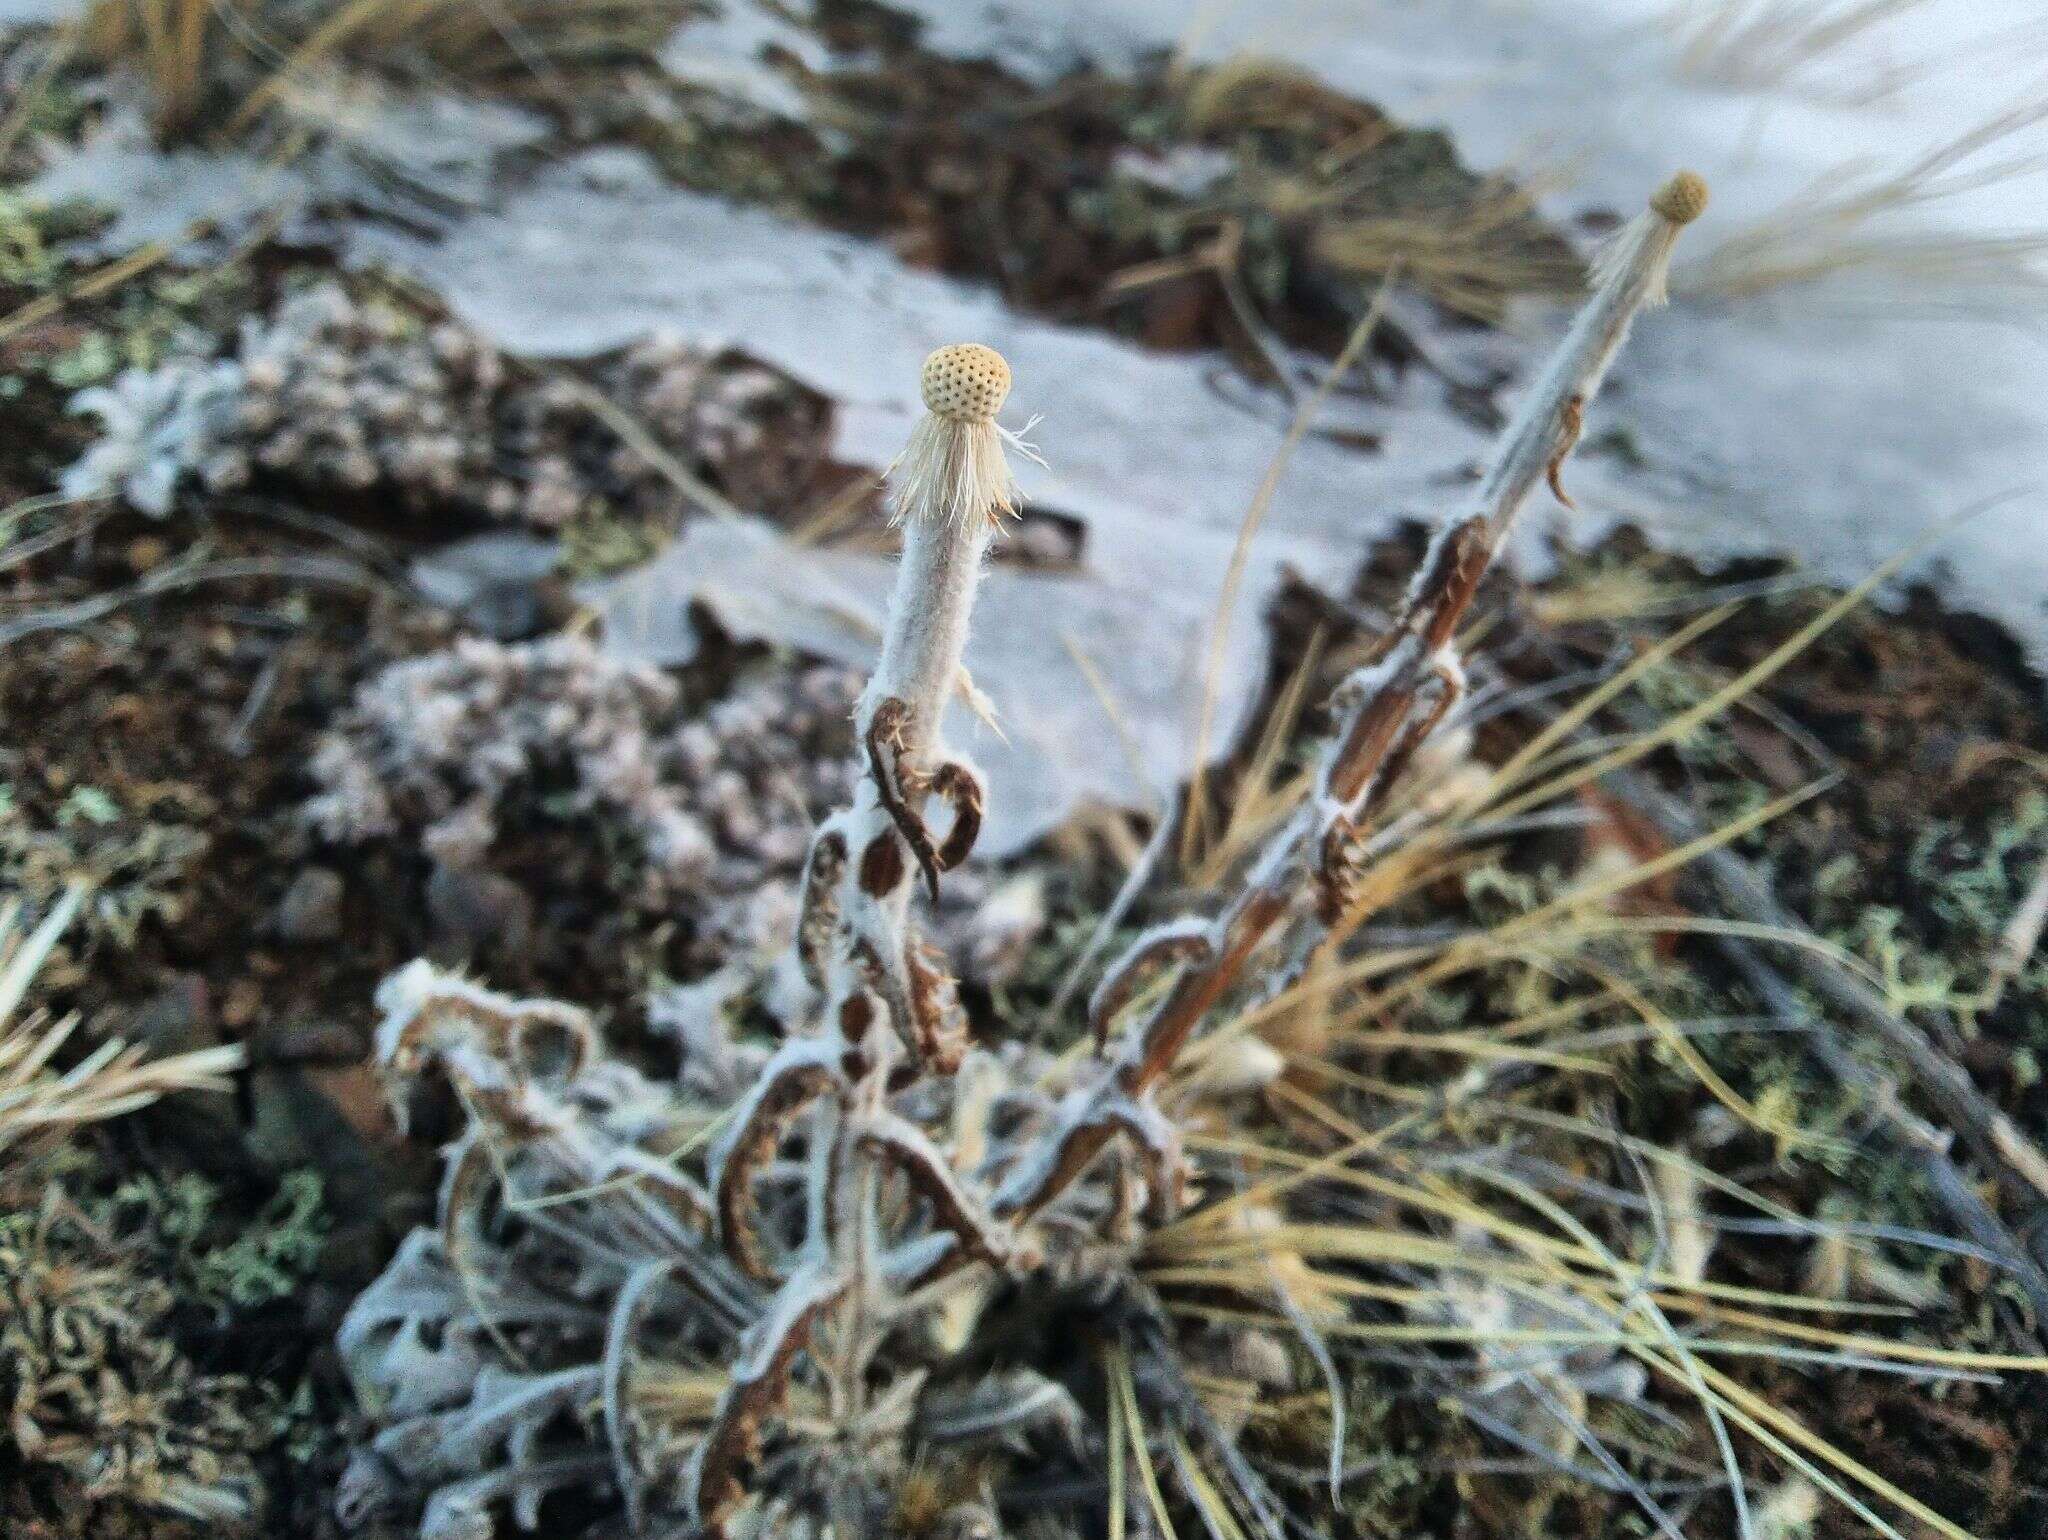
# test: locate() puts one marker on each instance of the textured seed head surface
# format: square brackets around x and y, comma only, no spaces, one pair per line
[965,382]
[1682,199]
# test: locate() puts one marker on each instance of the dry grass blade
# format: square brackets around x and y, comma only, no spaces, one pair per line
[198,55]
[1465,261]
[1768,44]
[38,1102]
[1852,226]
[1255,515]
[1124,1399]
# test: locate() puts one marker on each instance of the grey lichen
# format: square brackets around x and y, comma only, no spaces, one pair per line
[362,395]
[450,749]
[159,427]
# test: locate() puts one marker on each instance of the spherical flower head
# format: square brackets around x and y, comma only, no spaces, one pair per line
[1682,199]
[965,382]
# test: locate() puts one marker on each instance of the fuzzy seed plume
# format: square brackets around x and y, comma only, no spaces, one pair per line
[1639,255]
[1628,277]
[953,470]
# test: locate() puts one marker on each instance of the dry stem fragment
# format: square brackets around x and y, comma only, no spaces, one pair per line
[1391,709]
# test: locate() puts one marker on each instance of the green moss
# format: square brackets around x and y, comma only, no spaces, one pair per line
[226,1262]
[137,857]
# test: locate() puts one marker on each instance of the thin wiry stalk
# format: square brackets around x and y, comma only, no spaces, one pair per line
[1387,709]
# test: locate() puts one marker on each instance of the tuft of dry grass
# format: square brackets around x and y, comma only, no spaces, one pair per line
[1466,259]
[1855,228]
[40,1103]
[1358,216]
[1387,1222]
[177,45]
[229,62]
[1775,44]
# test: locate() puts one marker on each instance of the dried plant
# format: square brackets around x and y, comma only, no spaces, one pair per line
[1776,44]
[200,56]
[813,1288]
[1471,245]
[98,1392]
[1865,225]
[95,1389]
[878,1279]
[39,1102]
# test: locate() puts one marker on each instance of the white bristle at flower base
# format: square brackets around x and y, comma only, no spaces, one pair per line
[954,468]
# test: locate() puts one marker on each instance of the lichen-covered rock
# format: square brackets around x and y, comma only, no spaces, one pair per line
[453,748]
[362,396]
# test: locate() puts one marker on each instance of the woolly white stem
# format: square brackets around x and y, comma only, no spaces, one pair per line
[927,627]
[1629,278]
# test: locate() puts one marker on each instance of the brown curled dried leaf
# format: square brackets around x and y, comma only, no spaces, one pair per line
[818,912]
[962,791]
[906,1148]
[894,785]
[1158,949]
[801,1072]
[759,1384]
[938,1024]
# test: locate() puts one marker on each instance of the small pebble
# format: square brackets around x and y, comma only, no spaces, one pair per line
[310,911]
[480,912]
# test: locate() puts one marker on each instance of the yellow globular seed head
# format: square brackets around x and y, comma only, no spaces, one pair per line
[965,382]
[1682,199]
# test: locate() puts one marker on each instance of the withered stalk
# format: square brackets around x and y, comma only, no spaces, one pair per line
[1387,709]
[886,1011]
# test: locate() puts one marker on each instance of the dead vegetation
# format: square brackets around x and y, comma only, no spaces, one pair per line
[208,63]
[883,1270]
[97,1391]
[41,1102]
[1752,44]
[1228,204]
[1456,1211]
[1865,228]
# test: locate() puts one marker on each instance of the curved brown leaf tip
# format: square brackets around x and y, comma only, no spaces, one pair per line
[760,1382]
[962,791]
[800,1073]
[1158,949]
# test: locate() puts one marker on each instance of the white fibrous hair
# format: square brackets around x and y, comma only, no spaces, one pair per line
[1629,277]
[954,470]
